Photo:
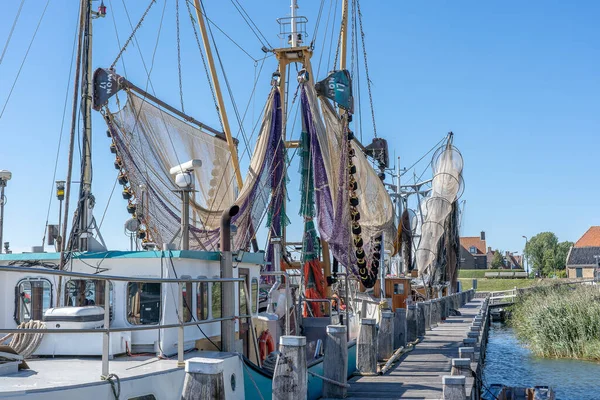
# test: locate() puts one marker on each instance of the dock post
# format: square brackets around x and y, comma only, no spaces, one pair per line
[290,377]
[427,309]
[435,312]
[454,387]
[385,338]
[203,379]
[411,323]
[467,352]
[335,361]
[461,366]
[420,319]
[399,328]
[366,351]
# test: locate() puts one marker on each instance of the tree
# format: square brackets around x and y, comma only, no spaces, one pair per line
[497,260]
[545,254]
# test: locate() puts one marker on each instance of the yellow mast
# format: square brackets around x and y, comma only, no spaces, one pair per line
[344,34]
[217,86]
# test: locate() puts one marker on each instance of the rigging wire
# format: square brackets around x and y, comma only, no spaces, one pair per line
[325,37]
[209,80]
[316,31]
[250,24]
[332,67]
[179,55]
[60,136]
[424,155]
[210,22]
[12,29]
[112,14]
[362,36]
[133,32]
[24,58]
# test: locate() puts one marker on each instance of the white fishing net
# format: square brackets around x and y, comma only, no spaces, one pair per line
[446,188]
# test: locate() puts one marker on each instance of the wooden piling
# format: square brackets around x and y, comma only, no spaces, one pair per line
[420,319]
[290,379]
[453,387]
[366,354]
[385,336]
[203,379]
[427,310]
[400,328]
[466,352]
[461,366]
[335,361]
[411,323]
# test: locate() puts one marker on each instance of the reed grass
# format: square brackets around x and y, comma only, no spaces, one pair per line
[560,321]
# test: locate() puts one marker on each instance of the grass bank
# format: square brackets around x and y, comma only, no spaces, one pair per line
[480,273]
[492,285]
[560,322]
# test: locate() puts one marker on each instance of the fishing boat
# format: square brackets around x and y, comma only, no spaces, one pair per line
[196,283]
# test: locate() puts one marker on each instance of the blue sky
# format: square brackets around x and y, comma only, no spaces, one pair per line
[517,82]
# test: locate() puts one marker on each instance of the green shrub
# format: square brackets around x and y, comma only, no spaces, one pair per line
[560,321]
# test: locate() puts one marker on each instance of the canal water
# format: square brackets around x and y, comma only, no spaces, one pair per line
[511,364]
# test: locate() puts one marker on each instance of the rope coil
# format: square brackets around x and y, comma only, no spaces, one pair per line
[25,344]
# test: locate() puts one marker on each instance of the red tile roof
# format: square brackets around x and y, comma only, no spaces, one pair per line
[590,239]
[476,241]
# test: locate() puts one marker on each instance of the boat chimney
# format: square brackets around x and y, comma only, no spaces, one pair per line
[228,288]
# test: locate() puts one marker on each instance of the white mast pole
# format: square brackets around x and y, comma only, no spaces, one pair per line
[294,33]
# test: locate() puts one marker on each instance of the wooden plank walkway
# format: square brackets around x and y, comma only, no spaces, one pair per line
[419,373]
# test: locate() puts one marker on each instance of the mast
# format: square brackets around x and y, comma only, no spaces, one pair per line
[344,35]
[219,95]
[296,53]
[86,199]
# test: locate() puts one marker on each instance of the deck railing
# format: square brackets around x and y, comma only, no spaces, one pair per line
[106,330]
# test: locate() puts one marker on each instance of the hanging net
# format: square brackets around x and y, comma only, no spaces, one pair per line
[330,157]
[150,141]
[447,185]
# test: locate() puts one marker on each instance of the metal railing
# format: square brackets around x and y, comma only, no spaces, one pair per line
[106,330]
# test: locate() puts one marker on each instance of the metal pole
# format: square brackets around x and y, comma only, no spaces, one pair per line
[2,201]
[86,191]
[180,337]
[106,334]
[220,102]
[185,220]
[63,234]
[294,34]
[60,239]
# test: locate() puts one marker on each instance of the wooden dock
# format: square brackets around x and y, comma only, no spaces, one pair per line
[419,373]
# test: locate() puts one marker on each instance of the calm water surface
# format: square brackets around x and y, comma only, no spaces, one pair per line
[510,363]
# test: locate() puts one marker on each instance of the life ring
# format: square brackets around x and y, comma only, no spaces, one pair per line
[266,344]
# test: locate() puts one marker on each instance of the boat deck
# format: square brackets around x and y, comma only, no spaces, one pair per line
[66,372]
[419,373]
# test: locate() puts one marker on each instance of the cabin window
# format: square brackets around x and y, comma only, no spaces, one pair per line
[254,290]
[202,301]
[33,298]
[242,296]
[87,292]
[143,303]
[215,294]
[187,300]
